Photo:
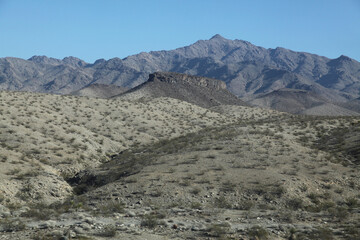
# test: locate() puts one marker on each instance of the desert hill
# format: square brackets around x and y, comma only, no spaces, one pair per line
[251,177]
[60,135]
[201,91]
[90,168]
[99,91]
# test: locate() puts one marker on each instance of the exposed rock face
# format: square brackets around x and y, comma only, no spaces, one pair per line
[205,92]
[187,79]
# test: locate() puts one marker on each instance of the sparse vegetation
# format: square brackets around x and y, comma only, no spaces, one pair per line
[120,168]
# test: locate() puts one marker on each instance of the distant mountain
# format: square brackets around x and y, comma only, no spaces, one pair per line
[249,71]
[353,105]
[205,92]
[43,74]
[329,109]
[299,101]
[97,90]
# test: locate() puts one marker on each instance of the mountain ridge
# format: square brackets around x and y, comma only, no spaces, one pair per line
[248,70]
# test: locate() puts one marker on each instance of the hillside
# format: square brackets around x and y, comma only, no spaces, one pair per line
[301,102]
[87,168]
[99,91]
[289,100]
[353,105]
[201,91]
[64,134]
[328,109]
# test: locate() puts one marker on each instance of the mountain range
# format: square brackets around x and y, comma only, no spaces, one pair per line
[250,72]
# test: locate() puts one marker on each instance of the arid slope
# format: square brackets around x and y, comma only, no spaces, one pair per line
[79,167]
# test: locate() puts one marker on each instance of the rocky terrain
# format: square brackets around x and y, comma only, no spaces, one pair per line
[162,168]
[249,71]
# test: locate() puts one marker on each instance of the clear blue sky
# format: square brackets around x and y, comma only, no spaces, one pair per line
[91,29]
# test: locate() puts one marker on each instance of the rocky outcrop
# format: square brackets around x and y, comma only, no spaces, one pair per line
[204,92]
[174,78]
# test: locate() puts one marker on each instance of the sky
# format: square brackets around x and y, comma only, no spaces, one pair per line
[94,29]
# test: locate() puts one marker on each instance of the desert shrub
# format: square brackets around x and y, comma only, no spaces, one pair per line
[228,186]
[352,202]
[326,205]
[28,174]
[2,197]
[321,233]
[196,205]
[258,232]
[352,232]
[107,231]
[13,171]
[218,230]
[11,225]
[149,221]
[221,202]
[156,193]
[339,213]
[40,212]
[278,191]
[314,198]
[245,205]
[70,204]
[286,216]
[295,203]
[195,190]
[112,207]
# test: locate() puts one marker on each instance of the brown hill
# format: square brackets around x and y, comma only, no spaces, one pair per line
[205,92]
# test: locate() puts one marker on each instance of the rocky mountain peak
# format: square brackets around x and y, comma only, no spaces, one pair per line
[218,37]
[44,60]
[74,61]
[344,58]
